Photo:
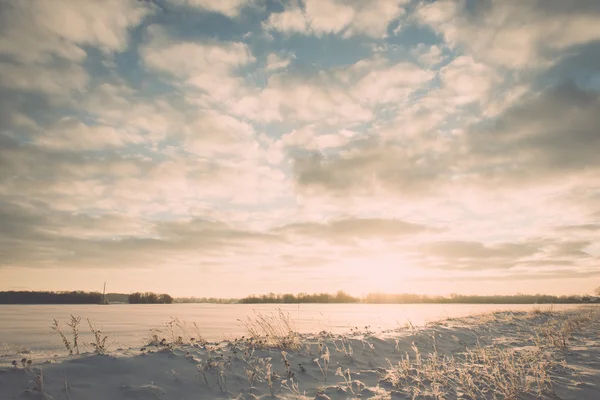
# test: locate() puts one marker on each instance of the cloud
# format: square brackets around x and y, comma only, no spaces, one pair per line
[308,139]
[474,250]
[370,168]
[540,138]
[345,95]
[465,81]
[346,17]
[428,55]
[35,239]
[580,228]
[550,135]
[59,81]
[301,98]
[150,135]
[71,134]
[210,66]
[34,31]
[512,33]
[275,62]
[229,8]
[353,228]
[530,256]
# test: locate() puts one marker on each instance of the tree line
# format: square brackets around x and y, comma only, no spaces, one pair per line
[29,297]
[339,297]
[406,298]
[380,298]
[149,298]
[213,300]
[81,297]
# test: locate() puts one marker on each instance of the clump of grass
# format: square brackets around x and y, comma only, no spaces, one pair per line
[479,373]
[345,348]
[287,364]
[99,344]
[275,330]
[74,325]
[292,387]
[258,369]
[325,356]
[56,327]
[559,331]
[557,335]
[346,376]
[271,376]
[38,381]
[539,311]
[215,368]
[174,334]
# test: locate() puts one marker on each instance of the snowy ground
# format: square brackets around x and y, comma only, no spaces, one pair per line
[544,354]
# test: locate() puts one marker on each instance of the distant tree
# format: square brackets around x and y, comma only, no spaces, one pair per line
[597,291]
[165,299]
[149,298]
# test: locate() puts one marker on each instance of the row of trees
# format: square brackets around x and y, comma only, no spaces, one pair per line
[81,297]
[212,300]
[28,297]
[149,298]
[339,297]
[380,298]
[406,298]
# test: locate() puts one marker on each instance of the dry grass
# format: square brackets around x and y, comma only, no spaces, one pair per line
[493,371]
[558,330]
[99,339]
[274,330]
[478,373]
[174,334]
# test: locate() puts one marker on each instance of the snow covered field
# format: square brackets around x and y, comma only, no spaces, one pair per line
[28,326]
[506,355]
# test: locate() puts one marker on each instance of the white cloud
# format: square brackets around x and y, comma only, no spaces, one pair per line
[347,17]
[291,20]
[306,138]
[390,83]
[213,134]
[341,96]
[210,66]
[275,62]
[230,8]
[71,134]
[513,33]
[298,98]
[428,56]
[116,104]
[52,80]
[33,31]
[464,80]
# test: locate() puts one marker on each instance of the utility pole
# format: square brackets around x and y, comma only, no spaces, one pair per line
[103,292]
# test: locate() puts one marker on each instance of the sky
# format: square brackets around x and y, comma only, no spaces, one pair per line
[232,147]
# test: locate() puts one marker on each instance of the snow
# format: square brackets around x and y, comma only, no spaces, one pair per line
[402,363]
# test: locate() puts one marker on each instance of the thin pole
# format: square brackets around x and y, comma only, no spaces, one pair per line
[103,292]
